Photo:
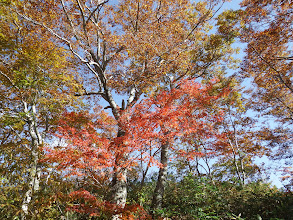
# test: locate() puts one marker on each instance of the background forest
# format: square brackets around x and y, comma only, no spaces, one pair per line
[136,109]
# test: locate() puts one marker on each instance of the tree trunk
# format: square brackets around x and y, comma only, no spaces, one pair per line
[162,179]
[34,183]
[35,170]
[119,181]
[119,190]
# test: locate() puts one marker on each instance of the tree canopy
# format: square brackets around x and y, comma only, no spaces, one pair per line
[138,109]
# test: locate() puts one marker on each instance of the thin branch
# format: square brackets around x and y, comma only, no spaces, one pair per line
[9,80]
[93,12]
[111,56]
[273,68]
[83,22]
[70,21]
[91,93]
[18,135]
[67,42]
[203,19]
[137,15]
[285,58]
[289,109]
[200,21]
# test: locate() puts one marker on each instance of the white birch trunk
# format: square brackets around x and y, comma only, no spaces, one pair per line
[35,170]
[119,182]
[119,190]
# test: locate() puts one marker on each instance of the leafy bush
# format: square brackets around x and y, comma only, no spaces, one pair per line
[200,198]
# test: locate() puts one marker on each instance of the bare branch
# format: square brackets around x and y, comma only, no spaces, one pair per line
[96,74]
[137,15]
[91,93]
[93,12]
[285,58]
[113,54]
[70,21]
[83,22]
